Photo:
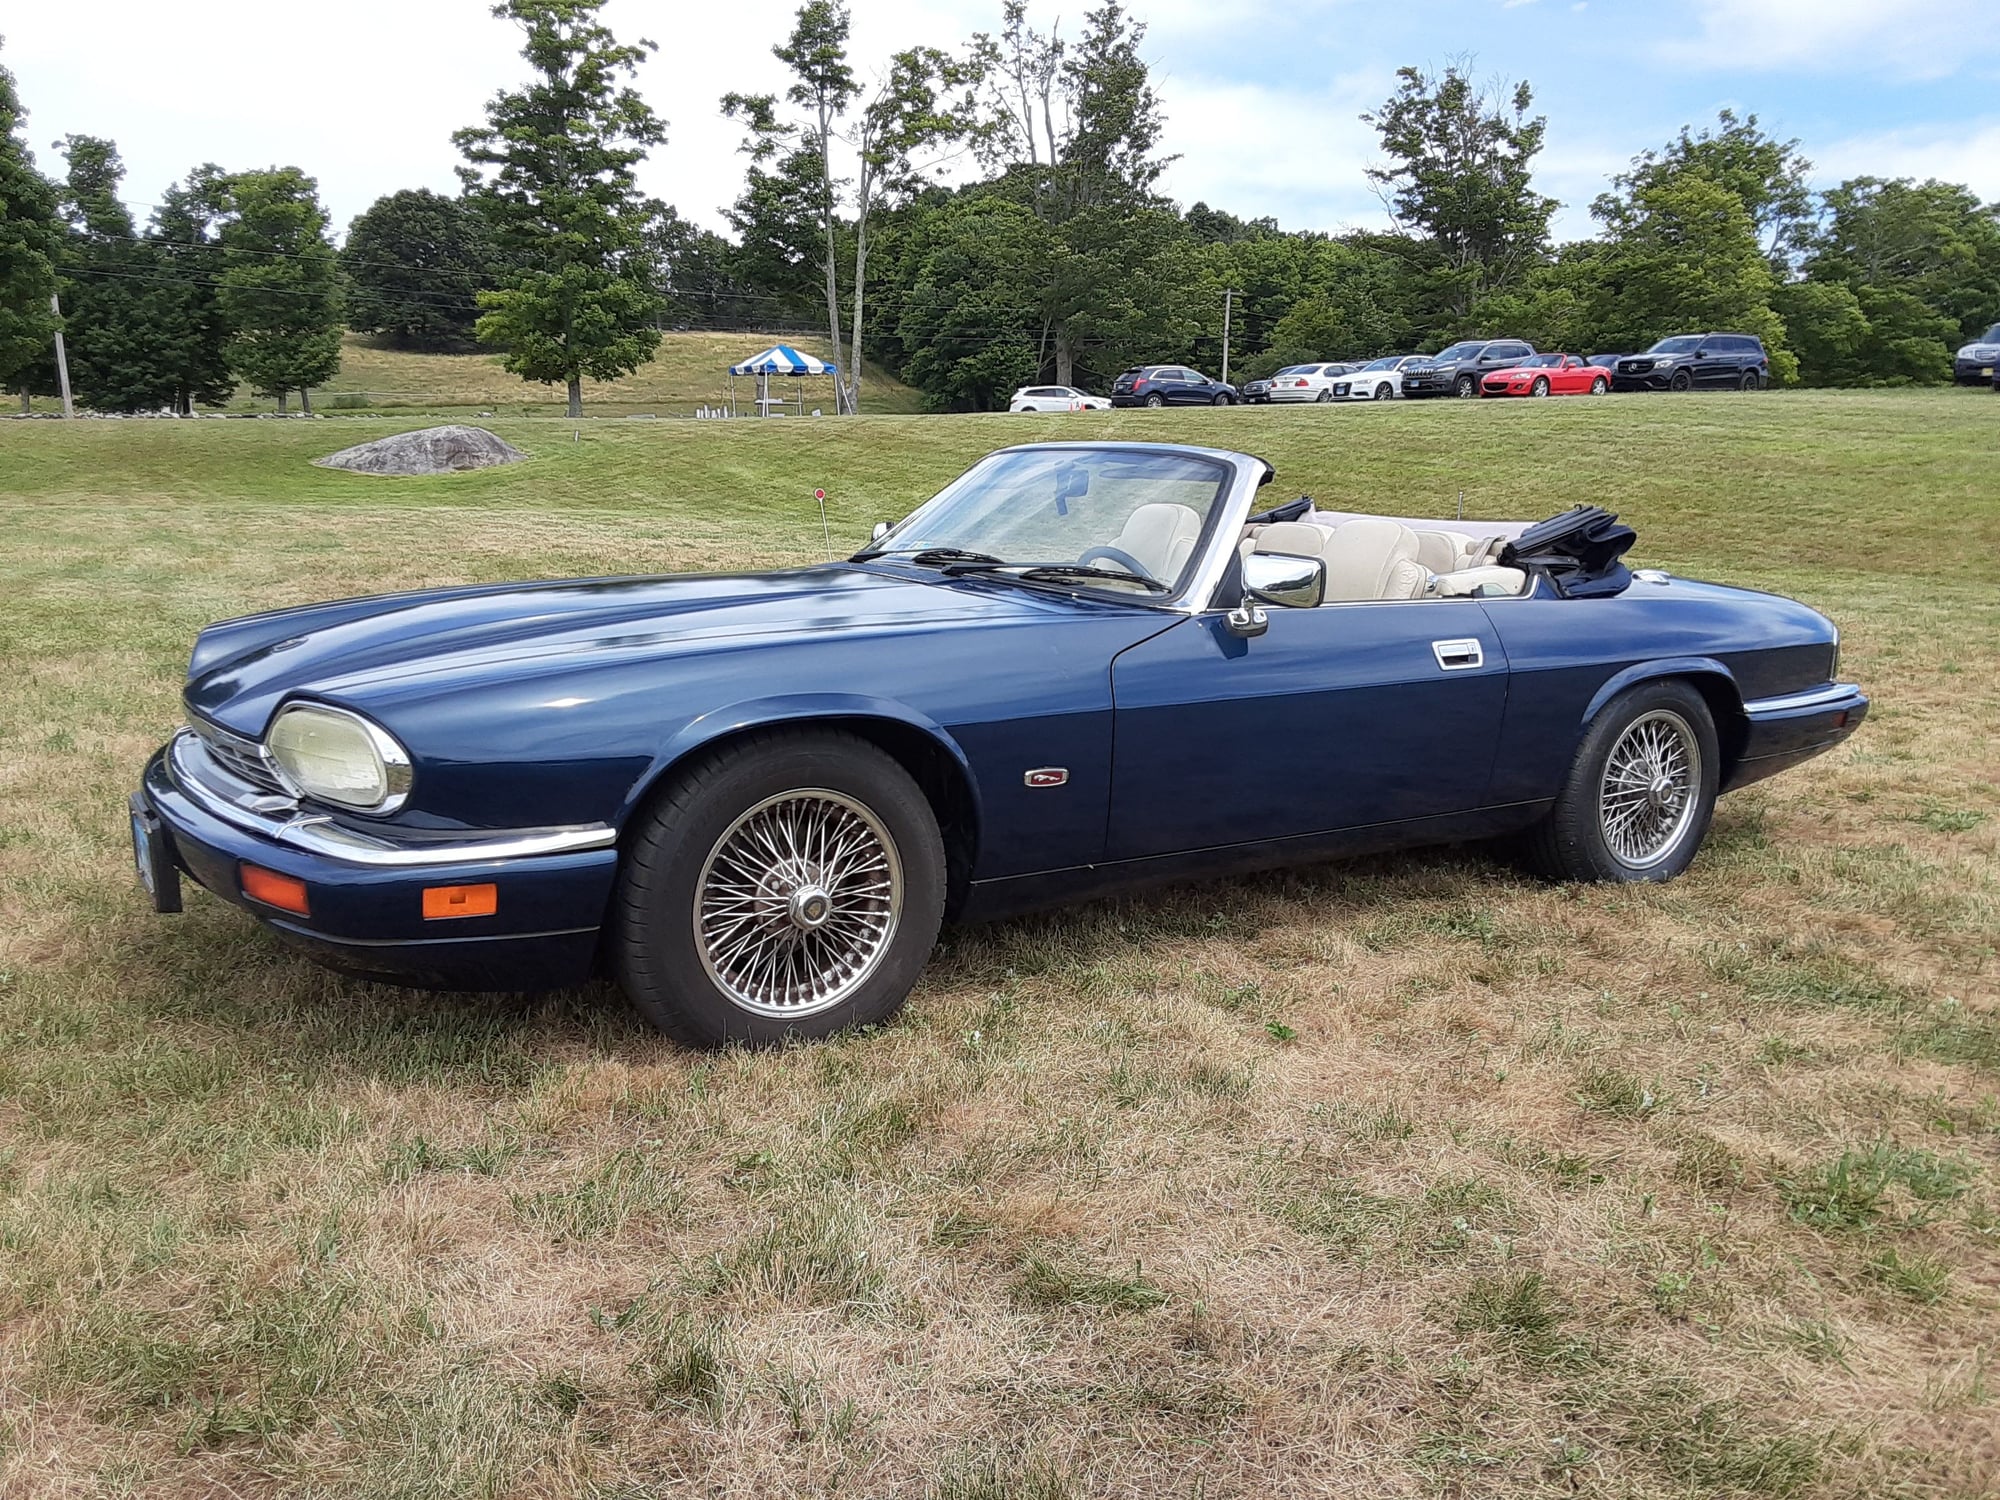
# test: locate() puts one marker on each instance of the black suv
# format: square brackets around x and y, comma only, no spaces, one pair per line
[1170,385]
[1696,361]
[1457,371]
[1979,361]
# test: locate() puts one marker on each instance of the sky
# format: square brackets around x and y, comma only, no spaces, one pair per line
[1262,97]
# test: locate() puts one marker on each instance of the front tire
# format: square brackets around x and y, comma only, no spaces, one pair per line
[1324,396]
[1385,392]
[1640,794]
[1540,387]
[1680,381]
[791,885]
[1222,400]
[1466,388]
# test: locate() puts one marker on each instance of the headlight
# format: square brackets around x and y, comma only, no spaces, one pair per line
[335,756]
[1662,360]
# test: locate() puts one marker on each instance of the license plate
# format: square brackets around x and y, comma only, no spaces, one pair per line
[1987,372]
[152,855]
[142,856]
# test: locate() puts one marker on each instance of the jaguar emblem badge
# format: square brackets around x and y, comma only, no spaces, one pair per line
[1047,776]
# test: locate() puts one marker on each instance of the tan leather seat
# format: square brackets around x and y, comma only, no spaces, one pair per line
[1291,539]
[1373,558]
[1161,537]
[1484,582]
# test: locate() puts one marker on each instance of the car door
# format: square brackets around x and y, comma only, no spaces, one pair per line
[1194,389]
[1501,356]
[1338,717]
[1714,366]
[1573,379]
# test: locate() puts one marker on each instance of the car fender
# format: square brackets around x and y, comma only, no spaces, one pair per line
[1648,671]
[795,708]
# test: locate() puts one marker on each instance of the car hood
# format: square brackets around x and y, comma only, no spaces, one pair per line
[242,669]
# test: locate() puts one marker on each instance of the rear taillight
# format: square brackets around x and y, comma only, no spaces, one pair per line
[1139,383]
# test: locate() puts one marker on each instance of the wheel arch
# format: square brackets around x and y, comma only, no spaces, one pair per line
[1707,676]
[922,747]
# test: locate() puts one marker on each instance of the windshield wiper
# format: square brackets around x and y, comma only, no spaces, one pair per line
[1056,573]
[926,556]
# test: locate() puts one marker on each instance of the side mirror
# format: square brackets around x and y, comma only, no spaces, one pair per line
[1291,582]
[1275,578]
[881,530]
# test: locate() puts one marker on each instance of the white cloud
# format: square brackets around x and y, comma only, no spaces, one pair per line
[1906,38]
[1968,153]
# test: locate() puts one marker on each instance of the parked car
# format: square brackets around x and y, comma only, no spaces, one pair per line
[1378,380]
[1255,392]
[1306,382]
[1169,385]
[1692,361]
[1055,398]
[753,798]
[1547,375]
[1979,361]
[1457,371]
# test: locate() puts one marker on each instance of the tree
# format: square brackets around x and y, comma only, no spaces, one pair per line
[194,343]
[1074,133]
[1462,173]
[1769,177]
[552,171]
[1686,259]
[280,285]
[695,271]
[415,263]
[120,315]
[30,234]
[1934,241]
[889,134]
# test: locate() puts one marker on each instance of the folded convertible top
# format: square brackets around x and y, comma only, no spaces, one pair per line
[1579,552]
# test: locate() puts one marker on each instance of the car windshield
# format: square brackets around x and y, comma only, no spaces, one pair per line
[1298,370]
[1687,343]
[1543,361]
[1992,335]
[1460,351]
[1127,512]
[1388,362]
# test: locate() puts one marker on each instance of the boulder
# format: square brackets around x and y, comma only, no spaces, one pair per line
[433,450]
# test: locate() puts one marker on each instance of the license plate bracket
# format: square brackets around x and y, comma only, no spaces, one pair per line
[153,857]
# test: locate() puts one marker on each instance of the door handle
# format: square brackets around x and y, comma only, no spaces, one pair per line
[1459,656]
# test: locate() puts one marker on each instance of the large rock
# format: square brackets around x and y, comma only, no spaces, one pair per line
[434,450]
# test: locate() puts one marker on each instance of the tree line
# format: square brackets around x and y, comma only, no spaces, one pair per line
[972,220]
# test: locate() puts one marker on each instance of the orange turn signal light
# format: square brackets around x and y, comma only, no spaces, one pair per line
[286,892]
[441,901]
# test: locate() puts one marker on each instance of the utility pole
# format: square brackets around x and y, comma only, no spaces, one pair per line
[1226,296]
[62,359]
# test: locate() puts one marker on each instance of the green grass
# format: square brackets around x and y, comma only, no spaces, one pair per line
[1405,1176]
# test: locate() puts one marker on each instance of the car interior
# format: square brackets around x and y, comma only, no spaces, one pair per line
[1366,557]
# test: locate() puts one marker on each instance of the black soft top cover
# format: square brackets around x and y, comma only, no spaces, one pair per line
[1579,552]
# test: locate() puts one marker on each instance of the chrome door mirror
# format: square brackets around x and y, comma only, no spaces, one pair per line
[1277,578]
[881,530]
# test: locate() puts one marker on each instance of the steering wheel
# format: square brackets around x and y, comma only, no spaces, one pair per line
[1117,555]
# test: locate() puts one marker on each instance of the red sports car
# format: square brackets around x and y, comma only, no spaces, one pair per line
[1548,375]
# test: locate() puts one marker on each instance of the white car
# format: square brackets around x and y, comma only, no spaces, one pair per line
[1378,380]
[1055,398]
[1305,382]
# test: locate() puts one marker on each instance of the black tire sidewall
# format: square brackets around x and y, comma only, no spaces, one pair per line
[1573,846]
[1682,382]
[1539,388]
[1465,386]
[1155,401]
[658,960]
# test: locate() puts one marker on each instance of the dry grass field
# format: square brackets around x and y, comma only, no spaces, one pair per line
[1406,1177]
[690,370]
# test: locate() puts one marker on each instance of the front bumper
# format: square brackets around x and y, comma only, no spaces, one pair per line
[1650,380]
[1973,372]
[365,891]
[1431,385]
[1785,731]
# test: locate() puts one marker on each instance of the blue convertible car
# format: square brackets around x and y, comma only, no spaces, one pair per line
[754,798]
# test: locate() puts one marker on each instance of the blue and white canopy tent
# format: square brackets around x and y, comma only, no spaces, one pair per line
[779,359]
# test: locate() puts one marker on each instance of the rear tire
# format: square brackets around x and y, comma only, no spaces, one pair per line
[1640,794]
[1751,381]
[718,939]
[1599,386]
[1156,400]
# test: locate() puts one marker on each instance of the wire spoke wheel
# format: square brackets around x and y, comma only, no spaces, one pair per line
[798,902]
[1650,791]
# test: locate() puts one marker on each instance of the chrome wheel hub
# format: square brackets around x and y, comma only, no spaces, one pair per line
[797,903]
[1651,789]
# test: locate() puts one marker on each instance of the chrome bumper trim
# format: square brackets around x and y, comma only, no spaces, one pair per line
[316,833]
[1819,697]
